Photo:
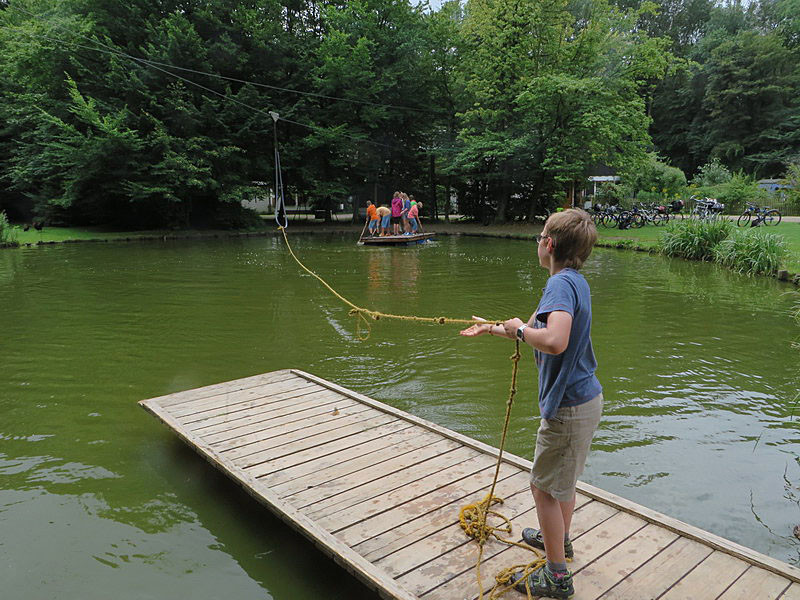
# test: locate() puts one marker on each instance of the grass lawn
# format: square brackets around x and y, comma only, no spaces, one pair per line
[649,235]
[63,234]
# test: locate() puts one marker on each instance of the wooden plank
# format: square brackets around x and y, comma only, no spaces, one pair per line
[370,575]
[374,490]
[596,528]
[417,549]
[382,540]
[266,430]
[340,478]
[428,489]
[327,449]
[404,439]
[600,575]
[275,415]
[429,504]
[793,593]
[450,538]
[169,400]
[756,583]
[284,448]
[232,399]
[661,572]
[718,543]
[713,576]
[253,444]
[226,412]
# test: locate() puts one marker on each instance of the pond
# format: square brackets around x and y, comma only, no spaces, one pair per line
[700,382]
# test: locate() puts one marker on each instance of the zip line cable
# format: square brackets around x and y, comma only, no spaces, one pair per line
[234,79]
[208,89]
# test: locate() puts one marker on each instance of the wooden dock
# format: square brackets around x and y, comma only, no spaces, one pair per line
[379,490]
[396,240]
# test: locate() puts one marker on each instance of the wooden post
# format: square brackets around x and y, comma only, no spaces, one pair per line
[432,173]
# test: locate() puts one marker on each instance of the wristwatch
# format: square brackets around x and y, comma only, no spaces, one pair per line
[521,332]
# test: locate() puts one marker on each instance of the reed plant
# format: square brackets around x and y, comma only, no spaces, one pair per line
[8,233]
[752,252]
[693,238]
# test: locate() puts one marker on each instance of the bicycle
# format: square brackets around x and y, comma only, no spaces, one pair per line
[675,209]
[767,216]
[707,209]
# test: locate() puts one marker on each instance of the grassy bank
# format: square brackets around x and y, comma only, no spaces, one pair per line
[647,237]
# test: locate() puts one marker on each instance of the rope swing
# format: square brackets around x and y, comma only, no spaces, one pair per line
[280,202]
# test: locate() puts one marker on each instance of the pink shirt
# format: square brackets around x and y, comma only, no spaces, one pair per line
[413,212]
[397,207]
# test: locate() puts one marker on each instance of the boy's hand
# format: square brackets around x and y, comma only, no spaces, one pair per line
[479,328]
[511,327]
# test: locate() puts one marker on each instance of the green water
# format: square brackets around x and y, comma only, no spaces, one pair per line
[99,498]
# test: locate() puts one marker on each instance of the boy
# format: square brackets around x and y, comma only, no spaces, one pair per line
[385,214]
[372,216]
[413,216]
[570,396]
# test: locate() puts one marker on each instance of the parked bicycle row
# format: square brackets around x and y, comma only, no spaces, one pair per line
[706,209]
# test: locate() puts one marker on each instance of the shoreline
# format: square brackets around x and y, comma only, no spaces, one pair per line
[518,231]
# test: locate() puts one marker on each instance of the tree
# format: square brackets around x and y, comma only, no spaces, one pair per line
[552,93]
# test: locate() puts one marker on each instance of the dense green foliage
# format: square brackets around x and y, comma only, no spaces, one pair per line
[751,251]
[694,239]
[738,98]
[8,234]
[509,103]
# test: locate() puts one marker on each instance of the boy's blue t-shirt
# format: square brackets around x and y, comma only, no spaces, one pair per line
[567,379]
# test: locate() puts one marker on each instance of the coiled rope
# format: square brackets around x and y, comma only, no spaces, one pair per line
[473,518]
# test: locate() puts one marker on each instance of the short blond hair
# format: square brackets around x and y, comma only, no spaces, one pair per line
[573,234]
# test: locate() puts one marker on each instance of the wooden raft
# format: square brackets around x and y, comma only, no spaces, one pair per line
[396,240]
[379,490]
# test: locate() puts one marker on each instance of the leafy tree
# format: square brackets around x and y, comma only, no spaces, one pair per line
[552,93]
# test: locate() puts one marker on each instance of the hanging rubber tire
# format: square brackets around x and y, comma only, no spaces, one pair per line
[743,220]
[772,217]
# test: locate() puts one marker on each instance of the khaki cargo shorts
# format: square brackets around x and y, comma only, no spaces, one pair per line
[562,445]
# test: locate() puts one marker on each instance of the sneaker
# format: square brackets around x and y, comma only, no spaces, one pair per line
[533,537]
[543,582]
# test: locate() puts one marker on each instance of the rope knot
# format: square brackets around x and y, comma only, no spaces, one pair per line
[442,320]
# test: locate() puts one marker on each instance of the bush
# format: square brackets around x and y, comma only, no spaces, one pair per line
[711,174]
[735,193]
[8,234]
[751,252]
[655,179]
[694,239]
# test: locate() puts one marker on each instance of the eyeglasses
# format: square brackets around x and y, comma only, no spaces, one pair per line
[541,237]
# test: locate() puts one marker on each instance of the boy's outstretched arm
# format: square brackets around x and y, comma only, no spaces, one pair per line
[482,327]
[553,338]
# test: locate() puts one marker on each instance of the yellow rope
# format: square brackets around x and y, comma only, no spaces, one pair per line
[472,517]
[362,313]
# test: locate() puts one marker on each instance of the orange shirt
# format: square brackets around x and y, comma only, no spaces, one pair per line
[372,212]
